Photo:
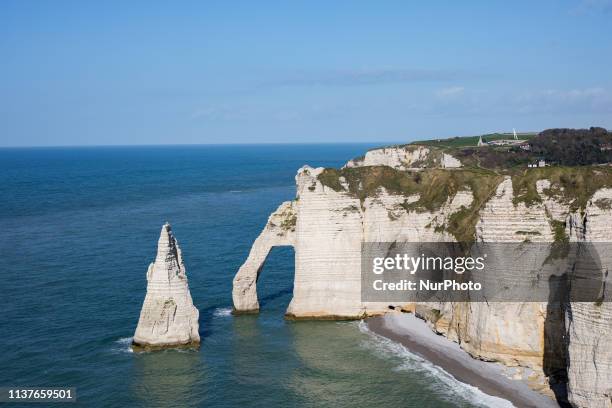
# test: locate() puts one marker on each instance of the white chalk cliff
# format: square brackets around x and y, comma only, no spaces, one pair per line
[279,231]
[405,157]
[589,325]
[168,317]
[327,226]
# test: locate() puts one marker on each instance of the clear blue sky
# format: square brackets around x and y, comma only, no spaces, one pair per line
[91,73]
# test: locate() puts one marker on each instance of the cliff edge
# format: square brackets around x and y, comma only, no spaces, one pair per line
[478,198]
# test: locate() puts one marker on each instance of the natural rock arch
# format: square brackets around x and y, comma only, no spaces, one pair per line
[279,231]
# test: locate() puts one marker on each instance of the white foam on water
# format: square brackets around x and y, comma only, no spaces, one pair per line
[222,312]
[385,348]
[124,345]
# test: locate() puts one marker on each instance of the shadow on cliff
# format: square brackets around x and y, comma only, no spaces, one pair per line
[555,342]
[583,281]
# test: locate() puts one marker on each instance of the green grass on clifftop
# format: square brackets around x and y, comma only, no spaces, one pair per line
[470,141]
[573,186]
[434,186]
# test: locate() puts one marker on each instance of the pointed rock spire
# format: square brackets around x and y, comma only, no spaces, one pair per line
[168,317]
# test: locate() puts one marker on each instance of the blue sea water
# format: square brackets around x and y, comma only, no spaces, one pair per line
[80,227]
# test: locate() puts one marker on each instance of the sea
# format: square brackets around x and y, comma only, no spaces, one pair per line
[79,227]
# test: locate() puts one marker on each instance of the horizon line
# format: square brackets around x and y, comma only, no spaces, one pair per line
[198,144]
[405,141]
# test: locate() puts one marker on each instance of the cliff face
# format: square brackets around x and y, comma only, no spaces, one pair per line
[405,157]
[336,210]
[589,325]
[168,317]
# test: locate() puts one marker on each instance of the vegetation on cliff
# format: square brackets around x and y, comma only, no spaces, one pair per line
[502,153]
[565,147]
[575,175]
[470,141]
[573,186]
[573,147]
[435,187]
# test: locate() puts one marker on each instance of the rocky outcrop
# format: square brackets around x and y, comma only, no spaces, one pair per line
[327,245]
[335,212]
[279,231]
[331,226]
[449,162]
[405,157]
[328,228]
[589,325]
[510,332]
[168,317]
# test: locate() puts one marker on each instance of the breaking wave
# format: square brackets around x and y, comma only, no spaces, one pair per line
[222,312]
[123,345]
[386,348]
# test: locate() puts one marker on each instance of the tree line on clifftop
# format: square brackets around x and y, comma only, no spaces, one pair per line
[573,147]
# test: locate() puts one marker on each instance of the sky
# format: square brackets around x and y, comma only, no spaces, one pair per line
[117,73]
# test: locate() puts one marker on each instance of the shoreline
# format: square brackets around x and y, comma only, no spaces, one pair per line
[414,334]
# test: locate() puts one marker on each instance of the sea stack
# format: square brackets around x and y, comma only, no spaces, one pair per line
[168,317]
